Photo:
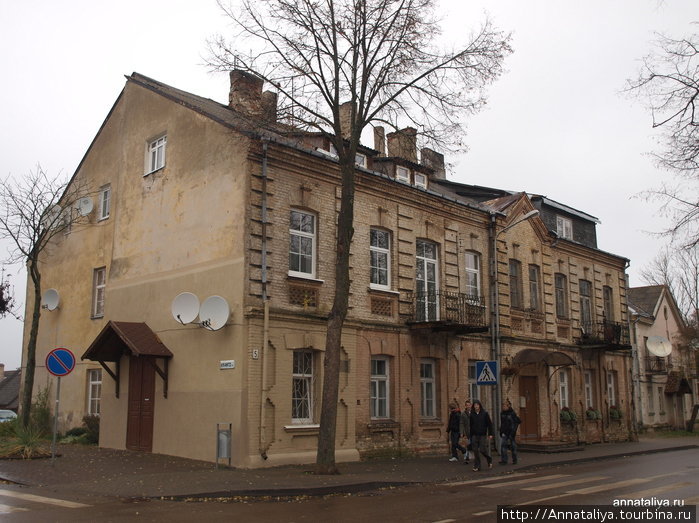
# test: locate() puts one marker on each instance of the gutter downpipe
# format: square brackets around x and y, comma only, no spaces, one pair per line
[265,304]
[495,320]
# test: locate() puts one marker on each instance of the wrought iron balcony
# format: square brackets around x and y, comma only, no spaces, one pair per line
[605,334]
[656,365]
[451,311]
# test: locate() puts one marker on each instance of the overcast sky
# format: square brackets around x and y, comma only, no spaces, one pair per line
[556,123]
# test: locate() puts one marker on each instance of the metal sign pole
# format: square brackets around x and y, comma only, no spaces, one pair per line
[55,421]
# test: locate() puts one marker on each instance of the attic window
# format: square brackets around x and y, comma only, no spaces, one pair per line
[360,159]
[402,174]
[564,227]
[420,180]
[155,155]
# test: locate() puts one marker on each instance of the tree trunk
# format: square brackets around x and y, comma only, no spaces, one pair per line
[26,406]
[325,458]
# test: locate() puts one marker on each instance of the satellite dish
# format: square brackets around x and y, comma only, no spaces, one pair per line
[85,206]
[50,299]
[185,307]
[214,313]
[659,346]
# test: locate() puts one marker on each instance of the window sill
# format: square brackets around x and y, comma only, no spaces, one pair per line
[430,422]
[97,317]
[305,279]
[383,290]
[311,428]
[153,171]
[378,424]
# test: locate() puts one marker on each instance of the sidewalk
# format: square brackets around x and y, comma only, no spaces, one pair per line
[93,471]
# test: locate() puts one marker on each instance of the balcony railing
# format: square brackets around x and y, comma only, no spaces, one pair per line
[442,310]
[656,365]
[607,334]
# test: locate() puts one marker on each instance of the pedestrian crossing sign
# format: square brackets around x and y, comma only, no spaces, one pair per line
[486,373]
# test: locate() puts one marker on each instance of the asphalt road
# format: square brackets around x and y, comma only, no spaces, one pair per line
[672,476]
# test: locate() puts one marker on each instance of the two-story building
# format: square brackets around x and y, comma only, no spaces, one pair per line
[198,289]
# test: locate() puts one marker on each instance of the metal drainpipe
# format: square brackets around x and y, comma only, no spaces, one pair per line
[636,379]
[495,318]
[265,303]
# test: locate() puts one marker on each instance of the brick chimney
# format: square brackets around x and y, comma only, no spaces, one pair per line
[403,144]
[245,95]
[433,160]
[380,140]
[2,370]
[346,119]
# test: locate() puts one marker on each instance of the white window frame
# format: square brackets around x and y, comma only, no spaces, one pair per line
[422,183]
[380,388]
[306,379]
[564,227]
[428,393]
[105,202]
[427,307]
[564,387]
[376,252]
[303,235]
[94,391]
[156,153]
[589,390]
[360,159]
[472,267]
[402,174]
[612,384]
[99,284]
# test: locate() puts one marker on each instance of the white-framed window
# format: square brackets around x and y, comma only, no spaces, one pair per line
[473,274]
[380,258]
[402,174]
[379,387]
[156,154]
[474,392]
[99,282]
[105,202]
[612,387]
[302,244]
[426,281]
[420,180]
[427,389]
[94,391]
[302,387]
[360,159]
[534,288]
[564,387]
[589,389]
[561,284]
[564,227]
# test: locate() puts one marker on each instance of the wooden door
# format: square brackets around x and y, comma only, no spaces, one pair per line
[139,426]
[529,408]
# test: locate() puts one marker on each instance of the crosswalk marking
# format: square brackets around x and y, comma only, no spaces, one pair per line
[472,481]
[519,482]
[7,509]
[653,491]
[41,499]
[568,483]
[484,513]
[609,486]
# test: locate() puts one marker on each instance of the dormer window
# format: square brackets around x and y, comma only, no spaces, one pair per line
[420,180]
[402,174]
[564,227]
[360,160]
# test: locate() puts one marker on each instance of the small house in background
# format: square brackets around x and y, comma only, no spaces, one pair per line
[665,365]
[9,388]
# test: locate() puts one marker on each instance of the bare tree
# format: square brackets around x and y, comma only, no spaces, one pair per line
[678,269]
[33,211]
[668,82]
[7,298]
[380,58]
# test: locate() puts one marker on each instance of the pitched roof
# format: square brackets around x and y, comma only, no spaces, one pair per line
[645,299]
[9,389]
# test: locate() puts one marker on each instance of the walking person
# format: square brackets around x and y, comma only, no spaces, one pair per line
[509,422]
[466,429]
[481,433]
[454,430]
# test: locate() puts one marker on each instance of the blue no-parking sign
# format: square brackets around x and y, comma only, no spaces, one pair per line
[486,372]
[60,362]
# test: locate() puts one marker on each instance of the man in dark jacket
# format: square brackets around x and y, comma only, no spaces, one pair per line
[466,428]
[509,421]
[481,434]
[454,430]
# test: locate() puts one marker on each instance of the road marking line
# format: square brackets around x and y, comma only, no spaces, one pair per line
[609,486]
[445,521]
[483,513]
[6,509]
[566,483]
[692,501]
[652,491]
[41,499]
[519,482]
[541,500]
[472,481]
